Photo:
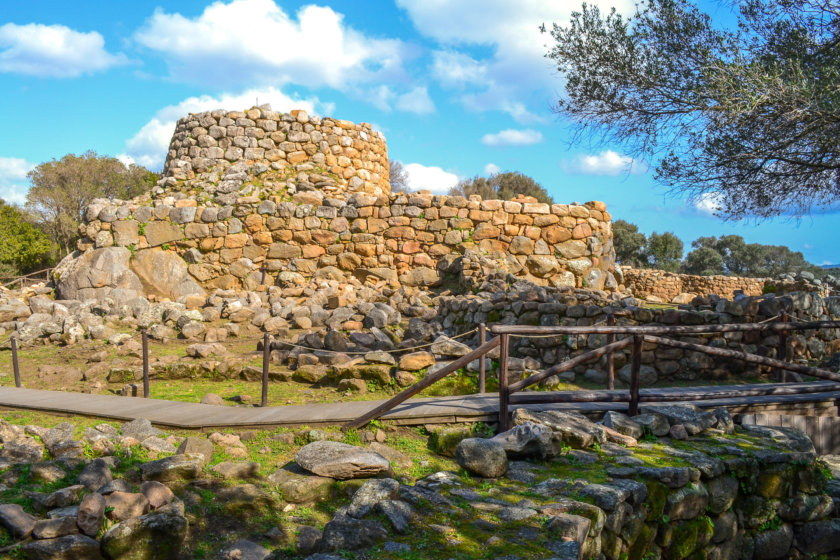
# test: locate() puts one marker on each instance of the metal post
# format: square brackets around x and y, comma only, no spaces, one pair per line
[15,365]
[266,357]
[781,350]
[144,336]
[610,363]
[482,364]
[635,375]
[504,396]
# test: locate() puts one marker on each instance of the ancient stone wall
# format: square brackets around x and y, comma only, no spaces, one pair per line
[530,305]
[354,155]
[404,238]
[669,286]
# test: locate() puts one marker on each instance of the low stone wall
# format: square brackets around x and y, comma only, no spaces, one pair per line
[644,283]
[355,155]
[403,238]
[668,286]
[531,305]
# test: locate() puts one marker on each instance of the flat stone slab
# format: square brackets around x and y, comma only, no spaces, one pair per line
[341,461]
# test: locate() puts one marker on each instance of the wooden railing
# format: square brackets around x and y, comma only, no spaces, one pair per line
[21,280]
[635,337]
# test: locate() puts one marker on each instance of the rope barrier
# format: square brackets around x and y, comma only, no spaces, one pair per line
[302,347]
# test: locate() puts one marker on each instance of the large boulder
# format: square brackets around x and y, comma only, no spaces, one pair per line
[112,272]
[483,457]
[164,274]
[98,274]
[341,461]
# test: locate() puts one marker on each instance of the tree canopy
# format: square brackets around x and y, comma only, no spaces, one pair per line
[62,189]
[23,247]
[398,176]
[503,186]
[730,254]
[629,244]
[748,117]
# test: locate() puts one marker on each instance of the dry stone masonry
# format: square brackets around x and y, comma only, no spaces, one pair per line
[250,196]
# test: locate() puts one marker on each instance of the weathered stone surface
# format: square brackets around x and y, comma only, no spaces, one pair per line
[341,461]
[237,470]
[371,493]
[416,361]
[96,474]
[156,493]
[124,505]
[70,547]
[97,274]
[16,521]
[168,469]
[54,528]
[155,536]
[244,550]
[577,430]
[298,486]
[195,446]
[774,543]
[530,439]
[347,533]
[164,274]
[483,457]
[398,513]
[622,424]
[91,514]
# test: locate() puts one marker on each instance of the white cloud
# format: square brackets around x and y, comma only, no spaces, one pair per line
[491,168]
[430,178]
[257,42]
[53,51]
[149,146]
[416,101]
[607,162]
[708,203]
[515,68]
[511,137]
[13,180]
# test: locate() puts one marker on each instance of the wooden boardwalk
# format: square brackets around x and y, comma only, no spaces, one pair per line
[466,408]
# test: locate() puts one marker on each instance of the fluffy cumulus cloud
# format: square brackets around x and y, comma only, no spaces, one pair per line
[708,203]
[149,146]
[607,162]
[416,100]
[491,168]
[257,42]
[13,180]
[512,137]
[53,51]
[514,66]
[430,178]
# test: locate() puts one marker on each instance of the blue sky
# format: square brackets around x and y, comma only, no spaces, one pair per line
[458,87]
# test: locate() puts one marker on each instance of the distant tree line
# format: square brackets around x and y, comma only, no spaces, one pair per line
[45,229]
[725,255]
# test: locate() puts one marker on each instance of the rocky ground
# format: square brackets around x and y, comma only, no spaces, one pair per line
[555,486]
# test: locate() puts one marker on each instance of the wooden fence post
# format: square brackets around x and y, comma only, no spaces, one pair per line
[635,375]
[781,350]
[504,396]
[266,357]
[144,336]
[610,363]
[15,365]
[482,364]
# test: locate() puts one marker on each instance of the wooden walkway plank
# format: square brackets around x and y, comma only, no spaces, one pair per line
[464,408]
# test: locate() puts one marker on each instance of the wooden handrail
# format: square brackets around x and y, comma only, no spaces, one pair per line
[664,329]
[751,358]
[658,395]
[453,366]
[569,364]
